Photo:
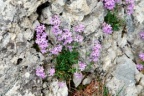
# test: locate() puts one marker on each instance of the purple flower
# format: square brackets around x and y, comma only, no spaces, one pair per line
[59,38]
[117,1]
[56,50]
[41,38]
[130,9]
[97,46]
[68,40]
[95,52]
[40,72]
[70,48]
[61,84]
[55,20]
[66,34]
[40,28]
[51,71]
[109,4]
[139,67]
[79,28]
[141,34]
[81,65]
[107,28]
[130,6]
[78,38]
[78,75]
[66,37]
[141,56]
[56,30]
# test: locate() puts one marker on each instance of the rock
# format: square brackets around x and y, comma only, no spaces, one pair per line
[46,15]
[28,34]
[44,84]
[125,70]
[13,91]
[26,23]
[139,12]
[27,74]
[128,52]
[55,90]
[77,81]
[92,4]
[122,41]
[19,57]
[139,88]
[131,91]
[71,18]
[142,81]
[138,76]
[95,19]
[91,23]
[130,24]
[58,6]
[78,7]
[87,80]
[107,63]
[115,86]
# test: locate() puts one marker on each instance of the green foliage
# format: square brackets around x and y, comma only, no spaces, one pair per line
[105,91]
[113,20]
[142,63]
[64,63]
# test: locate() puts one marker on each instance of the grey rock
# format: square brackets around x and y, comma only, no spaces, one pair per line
[126,70]
[130,24]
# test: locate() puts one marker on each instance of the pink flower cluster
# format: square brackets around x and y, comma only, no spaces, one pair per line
[40,72]
[51,72]
[41,38]
[79,29]
[64,36]
[109,4]
[55,20]
[130,6]
[141,34]
[61,84]
[139,67]
[107,28]
[56,50]
[81,66]
[141,56]
[94,56]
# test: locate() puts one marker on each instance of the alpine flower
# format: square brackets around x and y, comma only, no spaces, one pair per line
[107,28]
[79,28]
[139,67]
[51,71]
[109,4]
[141,56]
[40,72]
[81,65]
[141,34]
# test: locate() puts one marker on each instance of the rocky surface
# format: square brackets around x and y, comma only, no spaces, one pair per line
[18,58]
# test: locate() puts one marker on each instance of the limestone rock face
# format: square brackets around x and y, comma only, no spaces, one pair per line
[18,59]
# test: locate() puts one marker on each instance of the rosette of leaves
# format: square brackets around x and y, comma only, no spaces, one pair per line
[113,20]
[64,64]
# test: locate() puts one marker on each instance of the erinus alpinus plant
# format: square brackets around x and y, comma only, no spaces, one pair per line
[66,62]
